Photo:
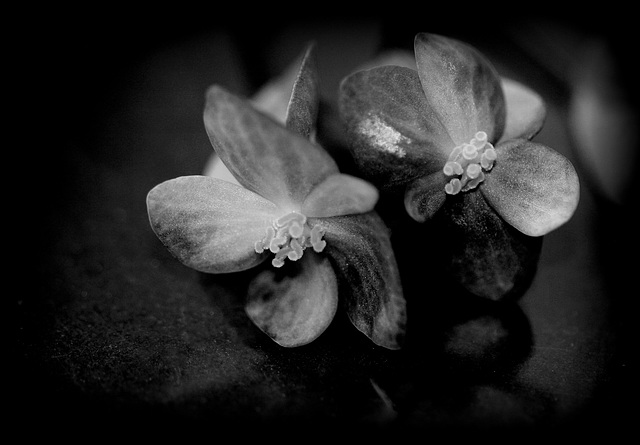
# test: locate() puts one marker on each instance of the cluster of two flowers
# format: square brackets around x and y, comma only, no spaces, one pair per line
[438,131]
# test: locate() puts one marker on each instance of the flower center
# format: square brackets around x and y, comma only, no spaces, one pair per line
[468,162]
[289,236]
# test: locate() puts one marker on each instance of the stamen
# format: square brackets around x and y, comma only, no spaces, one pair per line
[469,152]
[453,187]
[473,183]
[316,240]
[456,152]
[276,243]
[291,216]
[452,168]
[473,170]
[479,140]
[487,158]
[467,162]
[289,236]
[266,241]
[295,229]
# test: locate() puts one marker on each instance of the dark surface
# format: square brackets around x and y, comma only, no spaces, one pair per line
[112,331]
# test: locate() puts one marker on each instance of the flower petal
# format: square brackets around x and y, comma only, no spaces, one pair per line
[534,188]
[487,257]
[208,224]
[264,156]
[340,195]
[424,196]
[271,99]
[462,87]
[302,111]
[295,305]
[394,135]
[526,111]
[360,248]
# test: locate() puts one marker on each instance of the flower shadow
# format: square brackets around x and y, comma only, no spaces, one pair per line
[441,257]
[460,365]
[227,293]
[453,334]
[456,345]
[467,338]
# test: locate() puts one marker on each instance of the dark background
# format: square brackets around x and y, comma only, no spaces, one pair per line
[111,332]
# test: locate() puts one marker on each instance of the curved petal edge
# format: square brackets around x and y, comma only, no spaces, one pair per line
[462,86]
[394,136]
[424,196]
[264,156]
[208,224]
[371,290]
[532,187]
[294,306]
[526,111]
[339,195]
[302,110]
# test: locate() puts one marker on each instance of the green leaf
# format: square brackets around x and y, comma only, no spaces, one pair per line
[394,134]
[526,111]
[295,304]
[370,287]
[208,224]
[264,156]
[302,111]
[461,86]
[340,195]
[486,256]
[534,188]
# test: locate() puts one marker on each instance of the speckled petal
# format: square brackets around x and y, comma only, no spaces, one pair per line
[394,135]
[208,224]
[295,304]
[462,87]
[363,259]
[424,196]
[486,256]
[526,111]
[264,156]
[340,195]
[534,188]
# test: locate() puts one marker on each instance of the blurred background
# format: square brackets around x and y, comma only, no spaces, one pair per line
[110,330]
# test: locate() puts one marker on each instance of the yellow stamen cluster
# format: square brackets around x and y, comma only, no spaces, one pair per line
[289,236]
[468,162]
